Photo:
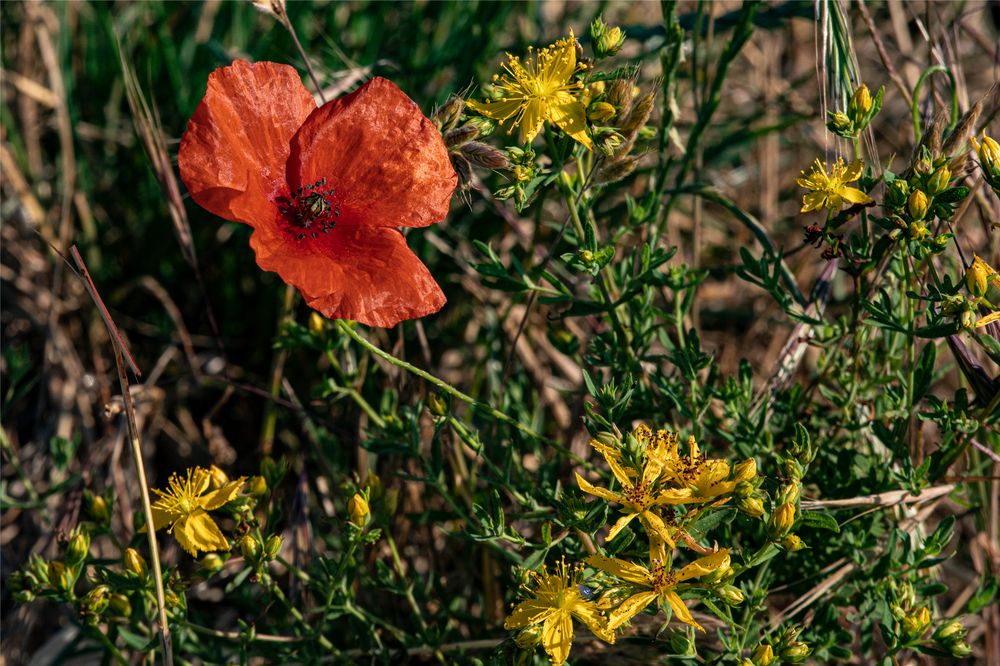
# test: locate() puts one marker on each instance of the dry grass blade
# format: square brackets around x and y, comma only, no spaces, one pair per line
[148,126]
[121,349]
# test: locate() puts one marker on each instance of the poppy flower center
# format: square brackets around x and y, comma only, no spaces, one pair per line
[310,210]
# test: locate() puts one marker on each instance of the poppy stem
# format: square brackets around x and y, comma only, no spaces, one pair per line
[442,385]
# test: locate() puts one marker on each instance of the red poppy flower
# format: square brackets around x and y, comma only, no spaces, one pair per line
[325,189]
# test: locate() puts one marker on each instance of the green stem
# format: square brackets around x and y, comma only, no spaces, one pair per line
[441,385]
[274,589]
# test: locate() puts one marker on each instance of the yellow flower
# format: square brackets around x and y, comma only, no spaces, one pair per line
[639,494]
[185,506]
[539,89]
[828,190]
[705,477]
[979,276]
[989,154]
[658,582]
[556,601]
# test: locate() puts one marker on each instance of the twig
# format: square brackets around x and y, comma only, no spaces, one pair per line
[121,350]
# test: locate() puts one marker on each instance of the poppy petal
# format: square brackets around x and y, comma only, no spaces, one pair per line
[232,156]
[385,160]
[355,272]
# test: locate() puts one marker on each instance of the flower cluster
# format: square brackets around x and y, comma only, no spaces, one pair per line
[664,491]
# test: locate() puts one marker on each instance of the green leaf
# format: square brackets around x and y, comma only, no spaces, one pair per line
[820,520]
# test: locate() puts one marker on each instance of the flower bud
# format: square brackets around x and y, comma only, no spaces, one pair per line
[859,107]
[391,500]
[916,622]
[250,547]
[60,578]
[219,478]
[601,112]
[746,662]
[460,135]
[959,649]
[374,486]
[257,486]
[23,597]
[763,655]
[979,275]
[317,324]
[77,548]
[486,125]
[781,521]
[792,543]
[968,320]
[358,510]
[751,506]
[795,653]
[897,193]
[791,491]
[97,599]
[840,124]
[793,468]
[989,155]
[272,546]
[745,471]
[212,562]
[730,594]
[134,563]
[743,489]
[610,42]
[485,156]
[938,183]
[120,605]
[447,116]
[437,405]
[917,205]
[98,508]
[952,630]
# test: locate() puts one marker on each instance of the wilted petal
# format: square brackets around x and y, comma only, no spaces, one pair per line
[557,637]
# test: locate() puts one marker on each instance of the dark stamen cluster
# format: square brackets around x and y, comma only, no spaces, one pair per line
[310,210]
[638,495]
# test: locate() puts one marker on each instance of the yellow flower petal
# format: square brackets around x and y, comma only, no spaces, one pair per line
[633,573]
[199,532]
[587,612]
[557,636]
[812,201]
[705,565]
[223,495]
[571,118]
[988,319]
[532,119]
[853,172]
[528,612]
[501,111]
[562,65]
[630,608]
[854,195]
[620,525]
[656,527]
[603,493]
[681,611]
[163,517]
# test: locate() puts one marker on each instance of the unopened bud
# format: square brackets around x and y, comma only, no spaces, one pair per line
[730,594]
[600,112]
[120,605]
[960,649]
[859,106]
[763,655]
[250,547]
[781,521]
[951,630]
[917,205]
[437,405]
[358,510]
[486,125]
[272,547]
[938,183]
[374,486]
[529,637]
[839,123]
[916,623]
[795,653]
[134,563]
[743,489]
[897,193]
[460,135]
[219,478]
[793,468]
[751,506]
[792,543]
[98,508]
[448,115]
[257,486]
[212,562]
[77,548]
[97,599]
[979,275]
[59,577]
[989,155]
[317,324]
[745,471]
